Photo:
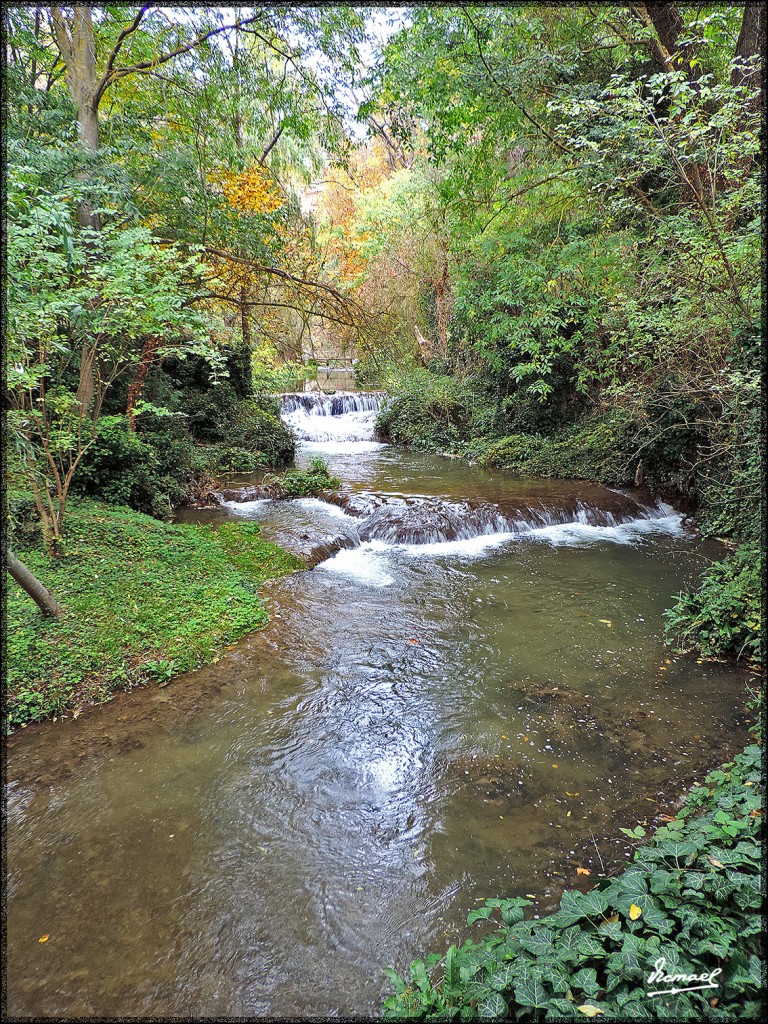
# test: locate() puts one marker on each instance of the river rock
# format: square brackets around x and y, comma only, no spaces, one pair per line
[310,545]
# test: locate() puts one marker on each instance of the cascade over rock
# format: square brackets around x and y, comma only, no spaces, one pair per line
[343,416]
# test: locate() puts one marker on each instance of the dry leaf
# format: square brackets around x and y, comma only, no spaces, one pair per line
[590,1011]
[606,622]
[412,641]
[44,938]
[583,871]
[634,912]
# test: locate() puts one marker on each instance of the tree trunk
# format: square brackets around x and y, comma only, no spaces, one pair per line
[47,603]
[668,26]
[78,50]
[148,351]
[751,43]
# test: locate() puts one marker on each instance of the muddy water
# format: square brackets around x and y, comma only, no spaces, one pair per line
[418,727]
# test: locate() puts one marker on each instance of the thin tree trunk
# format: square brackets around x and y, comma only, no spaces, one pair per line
[78,50]
[42,597]
[148,351]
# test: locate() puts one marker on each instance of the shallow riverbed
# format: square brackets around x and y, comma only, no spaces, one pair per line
[421,725]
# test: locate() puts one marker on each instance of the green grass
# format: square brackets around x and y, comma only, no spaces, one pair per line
[143,600]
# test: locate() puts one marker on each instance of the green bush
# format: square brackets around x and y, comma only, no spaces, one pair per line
[724,616]
[599,449]
[303,483]
[148,472]
[156,468]
[692,895]
[436,412]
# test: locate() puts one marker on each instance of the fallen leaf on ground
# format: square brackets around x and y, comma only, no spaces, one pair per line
[44,938]
[583,871]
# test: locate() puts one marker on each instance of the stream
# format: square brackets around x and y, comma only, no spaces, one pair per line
[467,697]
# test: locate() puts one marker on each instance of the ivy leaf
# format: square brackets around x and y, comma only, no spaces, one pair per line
[492,1005]
[531,992]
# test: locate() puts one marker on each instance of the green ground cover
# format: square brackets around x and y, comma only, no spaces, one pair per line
[143,600]
[692,896]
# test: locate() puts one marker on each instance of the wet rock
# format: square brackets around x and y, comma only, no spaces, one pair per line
[431,521]
[360,505]
[420,520]
[310,545]
[251,493]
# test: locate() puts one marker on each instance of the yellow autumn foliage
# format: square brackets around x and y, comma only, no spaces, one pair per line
[252,191]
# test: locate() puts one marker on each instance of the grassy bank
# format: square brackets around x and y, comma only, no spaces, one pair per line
[692,896]
[143,600]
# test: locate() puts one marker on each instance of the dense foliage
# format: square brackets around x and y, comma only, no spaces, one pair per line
[691,897]
[155,231]
[576,200]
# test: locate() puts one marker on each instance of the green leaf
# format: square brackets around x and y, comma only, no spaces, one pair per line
[491,1006]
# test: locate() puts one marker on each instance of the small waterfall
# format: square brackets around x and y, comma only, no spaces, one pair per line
[418,520]
[345,416]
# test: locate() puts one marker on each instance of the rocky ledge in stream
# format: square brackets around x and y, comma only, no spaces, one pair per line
[428,520]
[419,519]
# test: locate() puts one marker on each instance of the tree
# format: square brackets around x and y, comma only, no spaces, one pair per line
[42,597]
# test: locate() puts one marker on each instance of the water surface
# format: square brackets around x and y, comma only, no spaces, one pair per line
[419,726]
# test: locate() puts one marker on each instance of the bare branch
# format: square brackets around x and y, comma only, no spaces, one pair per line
[123,36]
[148,65]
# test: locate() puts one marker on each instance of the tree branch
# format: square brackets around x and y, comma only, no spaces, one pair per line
[148,65]
[123,36]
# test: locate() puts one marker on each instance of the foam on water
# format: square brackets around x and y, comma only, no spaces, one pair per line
[340,447]
[364,564]
[247,509]
[581,534]
[325,507]
[345,417]
[368,562]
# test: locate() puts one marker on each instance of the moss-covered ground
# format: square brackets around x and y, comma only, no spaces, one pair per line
[143,600]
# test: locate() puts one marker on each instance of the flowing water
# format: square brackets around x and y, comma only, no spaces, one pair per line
[468,699]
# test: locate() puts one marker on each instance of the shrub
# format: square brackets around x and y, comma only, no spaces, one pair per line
[435,412]
[724,615]
[599,449]
[303,483]
[147,472]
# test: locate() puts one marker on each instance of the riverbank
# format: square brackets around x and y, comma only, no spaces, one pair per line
[689,904]
[143,601]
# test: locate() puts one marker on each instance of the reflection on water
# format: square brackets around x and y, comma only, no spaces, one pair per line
[419,728]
